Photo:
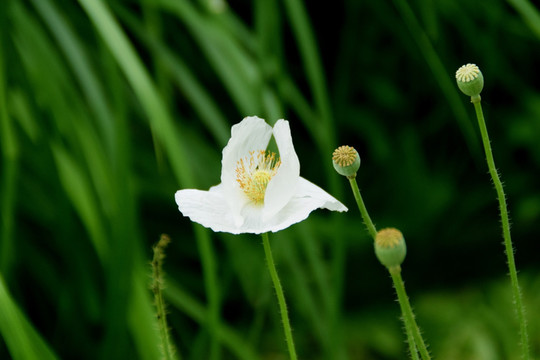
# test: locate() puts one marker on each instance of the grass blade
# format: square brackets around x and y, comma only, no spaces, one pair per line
[22,340]
[529,14]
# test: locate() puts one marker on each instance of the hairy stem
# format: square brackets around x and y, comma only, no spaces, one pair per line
[408,315]
[520,310]
[414,337]
[280,297]
[362,207]
[167,347]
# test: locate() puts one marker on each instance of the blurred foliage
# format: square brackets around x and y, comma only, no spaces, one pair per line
[107,108]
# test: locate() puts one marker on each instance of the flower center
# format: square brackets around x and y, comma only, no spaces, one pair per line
[389,238]
[344,155]
[255,171]
[467,73]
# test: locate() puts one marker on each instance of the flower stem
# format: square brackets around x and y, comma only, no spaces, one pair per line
[414,337]
[167,347]
[280,296]
[412,345]
[362,207]
[408,315]
[520,310]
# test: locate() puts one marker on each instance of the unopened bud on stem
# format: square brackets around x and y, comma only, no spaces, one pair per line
[346,161]
[390,247]
[470,80]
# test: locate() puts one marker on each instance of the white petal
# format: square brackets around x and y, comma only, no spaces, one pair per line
[253,220]
[208,208]
[307,189]
[308,198]
[282,187]
[250,134]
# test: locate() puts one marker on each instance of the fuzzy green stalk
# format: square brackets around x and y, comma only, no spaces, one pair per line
[280,297]
[410,340]
[414,337]
[408,315]
[167,347]
[362,207]
[520,310]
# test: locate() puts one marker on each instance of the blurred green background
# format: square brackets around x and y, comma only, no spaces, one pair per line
[106,109]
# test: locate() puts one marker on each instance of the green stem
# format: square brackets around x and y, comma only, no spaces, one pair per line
[167,347]
[362,207]
[280,296]
[414,337]
[408,315]
[412,344]
[506,229]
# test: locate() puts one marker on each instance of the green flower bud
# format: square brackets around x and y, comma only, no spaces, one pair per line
[390,247]
[346,161]
[470,80]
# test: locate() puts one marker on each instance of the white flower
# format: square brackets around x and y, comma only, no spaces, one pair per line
[258,192]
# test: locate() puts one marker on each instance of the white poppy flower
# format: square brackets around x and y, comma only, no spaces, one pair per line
[259,192]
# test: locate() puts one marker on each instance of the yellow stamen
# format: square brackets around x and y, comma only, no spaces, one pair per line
[255,171]
[389,238]
[344,155]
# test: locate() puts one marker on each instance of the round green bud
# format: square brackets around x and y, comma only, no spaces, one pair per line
[346,160]
[390,247]
[470,80]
